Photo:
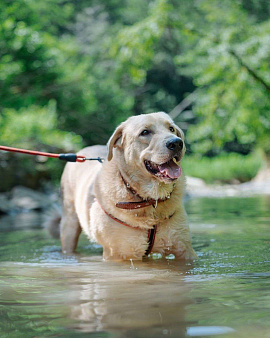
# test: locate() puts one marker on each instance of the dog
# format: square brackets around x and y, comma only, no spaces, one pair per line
[132,203]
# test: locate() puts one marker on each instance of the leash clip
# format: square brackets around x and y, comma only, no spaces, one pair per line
[99,159]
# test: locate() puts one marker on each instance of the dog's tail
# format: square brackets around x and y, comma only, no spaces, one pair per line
[51,221]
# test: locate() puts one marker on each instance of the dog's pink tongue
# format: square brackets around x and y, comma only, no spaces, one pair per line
[170,169]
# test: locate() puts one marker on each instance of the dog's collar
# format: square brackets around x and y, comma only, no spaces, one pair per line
[143,203]
[151,232]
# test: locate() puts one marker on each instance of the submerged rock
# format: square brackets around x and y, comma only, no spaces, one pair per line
[21,199]
[28,199]
[5,204]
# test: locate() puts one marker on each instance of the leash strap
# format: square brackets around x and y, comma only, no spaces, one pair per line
[64,157]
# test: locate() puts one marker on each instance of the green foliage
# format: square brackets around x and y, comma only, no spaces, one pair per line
[135,46]
[225,168]
[229,61]
[41,60]
[224,50]
[33,128]
[102,61]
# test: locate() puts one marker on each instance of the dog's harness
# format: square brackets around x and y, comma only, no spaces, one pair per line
[151,232]
[137,205]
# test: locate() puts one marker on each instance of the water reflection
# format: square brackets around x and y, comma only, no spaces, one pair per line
[44,293]
[94,296]
[149,297]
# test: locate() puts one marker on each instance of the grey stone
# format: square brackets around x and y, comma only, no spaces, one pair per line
[28,199]
[5,205]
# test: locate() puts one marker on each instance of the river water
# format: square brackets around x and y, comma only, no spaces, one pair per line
[225,293]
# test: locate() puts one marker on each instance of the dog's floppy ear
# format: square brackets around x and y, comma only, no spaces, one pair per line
[113,140]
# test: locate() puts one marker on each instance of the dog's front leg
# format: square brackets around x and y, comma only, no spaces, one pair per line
[184,251]
[180,237]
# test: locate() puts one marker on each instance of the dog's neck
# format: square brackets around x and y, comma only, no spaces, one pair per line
[138,204]
[153,190]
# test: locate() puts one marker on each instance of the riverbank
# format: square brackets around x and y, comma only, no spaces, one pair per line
[196,187]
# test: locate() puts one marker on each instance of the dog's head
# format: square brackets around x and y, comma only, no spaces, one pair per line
[151,143]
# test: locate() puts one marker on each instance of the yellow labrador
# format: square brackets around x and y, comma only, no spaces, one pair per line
[132,203]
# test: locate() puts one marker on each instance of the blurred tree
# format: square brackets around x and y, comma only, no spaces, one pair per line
[226,52]
[67,51]
[258,9]
[229,61]
[33,127]
[32,72]
[144,51]
[119,92]
[102,61]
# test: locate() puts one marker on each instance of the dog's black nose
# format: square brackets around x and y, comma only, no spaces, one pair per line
[175,144]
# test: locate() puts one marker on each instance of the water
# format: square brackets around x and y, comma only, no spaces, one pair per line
[225,293]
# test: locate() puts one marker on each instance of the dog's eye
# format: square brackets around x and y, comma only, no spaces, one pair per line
[172,129]
[145,132]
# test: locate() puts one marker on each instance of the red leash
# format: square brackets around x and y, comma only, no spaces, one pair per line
[64,157]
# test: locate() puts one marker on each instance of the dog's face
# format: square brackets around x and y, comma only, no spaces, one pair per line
[150,143]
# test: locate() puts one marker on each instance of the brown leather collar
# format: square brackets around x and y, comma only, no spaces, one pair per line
[137,205]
